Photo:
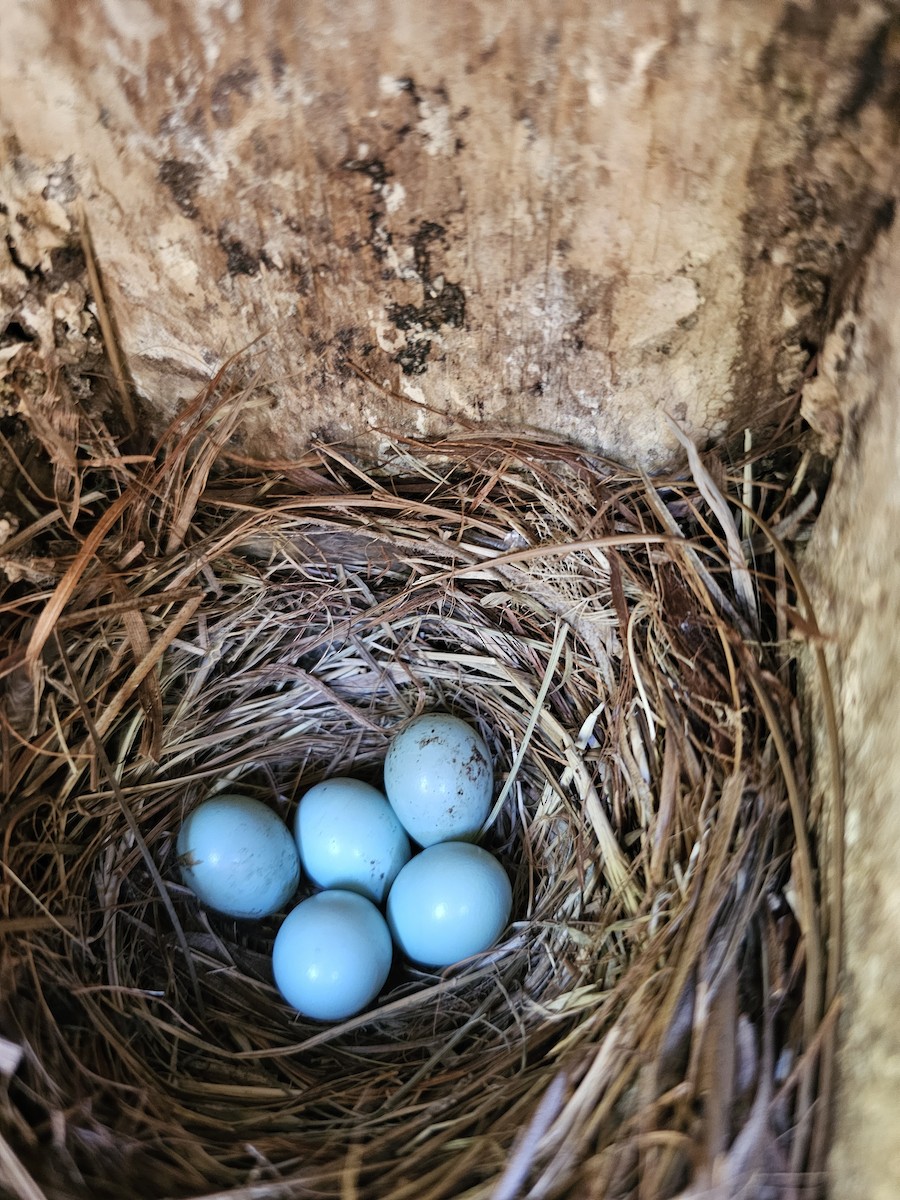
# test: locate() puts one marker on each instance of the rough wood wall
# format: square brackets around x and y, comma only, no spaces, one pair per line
[562,215]
[854,560]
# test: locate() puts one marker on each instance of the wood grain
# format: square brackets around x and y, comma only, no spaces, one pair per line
[854,563]
[566,216]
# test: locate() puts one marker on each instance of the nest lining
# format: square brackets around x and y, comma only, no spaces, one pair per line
[651,1025]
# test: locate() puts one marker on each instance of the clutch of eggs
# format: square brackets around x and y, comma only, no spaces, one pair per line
[333,952]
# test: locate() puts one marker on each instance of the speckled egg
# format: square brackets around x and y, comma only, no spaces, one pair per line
[238,857]
[439,779]
[349,837]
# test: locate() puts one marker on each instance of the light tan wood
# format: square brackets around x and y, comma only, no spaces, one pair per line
[568,216]
[855,562]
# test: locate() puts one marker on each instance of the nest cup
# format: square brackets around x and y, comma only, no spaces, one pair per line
[653,1014]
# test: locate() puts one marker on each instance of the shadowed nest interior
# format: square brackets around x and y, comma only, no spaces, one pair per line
[184,620]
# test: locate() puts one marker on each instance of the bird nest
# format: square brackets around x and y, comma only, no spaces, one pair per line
[656,1018]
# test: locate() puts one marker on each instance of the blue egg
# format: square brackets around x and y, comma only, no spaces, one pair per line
[439,779]
[332,955]
[449,902]
[349,837]
[238,856]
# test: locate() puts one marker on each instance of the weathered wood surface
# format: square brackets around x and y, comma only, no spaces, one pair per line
[568,216]
[854,561]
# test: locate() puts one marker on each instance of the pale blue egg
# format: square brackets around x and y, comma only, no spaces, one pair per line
[449,902]
[332,955]
[349,837]
[238,856]
[439,779]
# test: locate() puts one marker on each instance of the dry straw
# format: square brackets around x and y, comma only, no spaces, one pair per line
[657,1021]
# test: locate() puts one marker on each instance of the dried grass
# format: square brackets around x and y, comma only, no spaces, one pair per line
[655,1022]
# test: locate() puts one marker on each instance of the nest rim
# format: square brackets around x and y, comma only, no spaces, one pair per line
[671,877]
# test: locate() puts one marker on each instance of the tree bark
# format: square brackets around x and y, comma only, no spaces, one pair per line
[565,216]
[854,563]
